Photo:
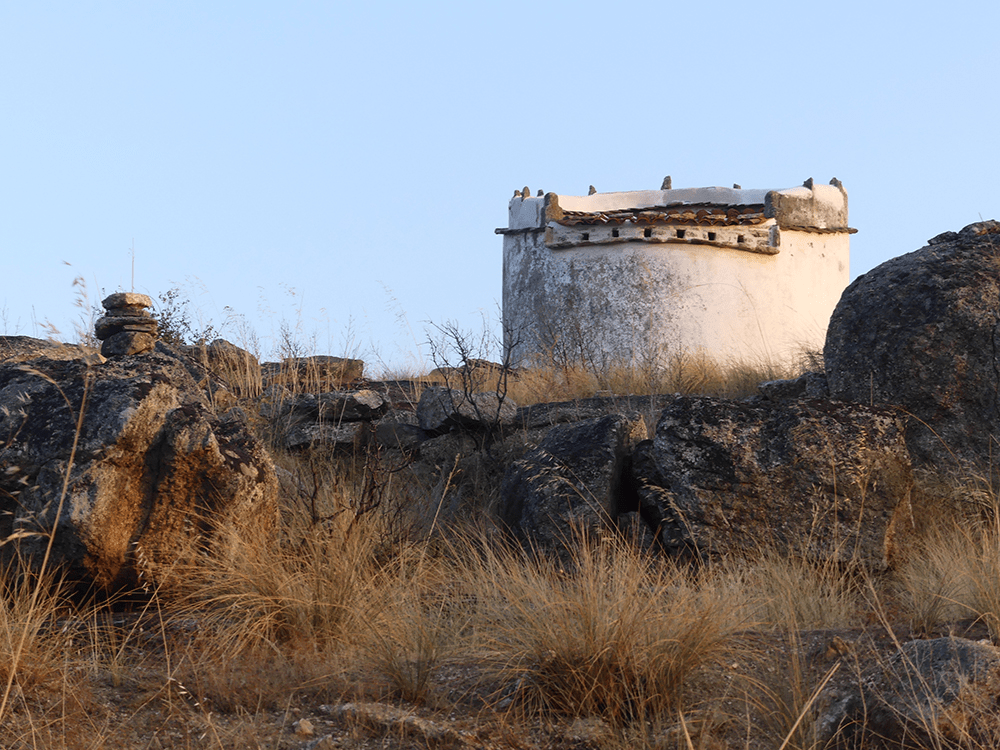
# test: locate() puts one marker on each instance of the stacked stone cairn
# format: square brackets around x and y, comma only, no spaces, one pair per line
[126,327]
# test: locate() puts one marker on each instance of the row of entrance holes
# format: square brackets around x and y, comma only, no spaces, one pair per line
[648,232]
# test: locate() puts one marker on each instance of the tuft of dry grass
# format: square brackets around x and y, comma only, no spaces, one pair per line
[419,626]
[794,593]
[935,584]
[32,646]
[617,635]
[952,569]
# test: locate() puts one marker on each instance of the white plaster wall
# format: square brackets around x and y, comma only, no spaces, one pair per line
[650,198]
[636,301]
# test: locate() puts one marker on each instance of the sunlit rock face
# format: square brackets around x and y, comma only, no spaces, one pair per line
[922,332]
[149,467]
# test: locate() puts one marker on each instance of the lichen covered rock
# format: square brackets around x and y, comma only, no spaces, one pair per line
[825,480]
[922,332]
[571,483]
[939,693]
[148,467]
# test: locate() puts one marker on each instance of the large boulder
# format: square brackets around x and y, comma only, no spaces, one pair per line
[821,479]
[940,693]
[337,419]
[148,468]
[441,409]
[922,332]
[572,483]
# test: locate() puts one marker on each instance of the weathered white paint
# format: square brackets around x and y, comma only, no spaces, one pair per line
[719,196]
[736,292]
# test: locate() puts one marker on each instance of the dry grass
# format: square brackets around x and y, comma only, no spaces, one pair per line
[935,585]
[618,636]
[686,374]
[792,593]
[787,698]
[344,608]
[354,600]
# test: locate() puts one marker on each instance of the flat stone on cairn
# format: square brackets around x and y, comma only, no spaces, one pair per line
[127,327]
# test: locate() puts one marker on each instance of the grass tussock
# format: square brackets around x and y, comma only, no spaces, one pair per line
[618,636]
[31,644]
[792,593]
[936,583]
[272,612]
[421,625]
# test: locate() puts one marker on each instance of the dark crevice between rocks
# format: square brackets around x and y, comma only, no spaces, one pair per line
[627,492]
[128,578]
[628,495]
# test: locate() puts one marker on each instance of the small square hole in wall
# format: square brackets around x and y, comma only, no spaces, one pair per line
[647,232]
[586,236]
[614,232]
[740,238]
[711,236]
[680,234]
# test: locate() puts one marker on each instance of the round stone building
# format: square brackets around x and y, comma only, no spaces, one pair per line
[643,276]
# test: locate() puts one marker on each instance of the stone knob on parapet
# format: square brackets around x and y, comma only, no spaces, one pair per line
[127,327]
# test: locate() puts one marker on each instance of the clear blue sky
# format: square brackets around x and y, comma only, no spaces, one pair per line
[340,167]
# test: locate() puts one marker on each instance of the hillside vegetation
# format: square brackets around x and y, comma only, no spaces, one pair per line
[374,620]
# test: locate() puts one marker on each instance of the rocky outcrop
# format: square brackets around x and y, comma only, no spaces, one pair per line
[441,409]
[807,385]
[477,374]
[571,483]
[545,415]
[148,467]
[339,419]
[236,366]
[922,332]
[940,693]
[313,374]
[815,478]
[400,430]
[24,348]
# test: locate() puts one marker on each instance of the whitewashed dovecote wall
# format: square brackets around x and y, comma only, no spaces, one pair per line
[642,276]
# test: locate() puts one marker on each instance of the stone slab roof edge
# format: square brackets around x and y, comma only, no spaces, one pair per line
[640,199]
[808,205]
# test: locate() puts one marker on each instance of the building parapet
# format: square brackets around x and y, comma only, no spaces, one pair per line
[734,218]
